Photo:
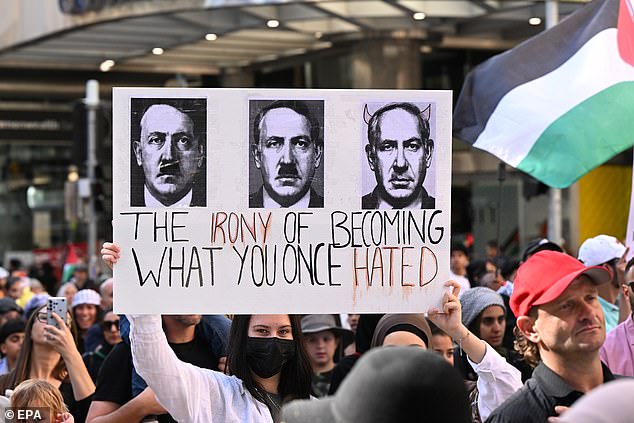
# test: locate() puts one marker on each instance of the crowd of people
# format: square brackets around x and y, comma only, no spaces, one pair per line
[512,341]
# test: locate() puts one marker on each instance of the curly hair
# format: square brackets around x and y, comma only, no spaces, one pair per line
[527,349]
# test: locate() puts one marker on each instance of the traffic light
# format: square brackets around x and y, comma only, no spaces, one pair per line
[98,192]
[80,136]
[80,141]
[531,187]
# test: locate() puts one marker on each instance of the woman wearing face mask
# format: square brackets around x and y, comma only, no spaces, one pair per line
[266,361]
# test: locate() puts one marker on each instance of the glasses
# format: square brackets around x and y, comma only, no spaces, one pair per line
[107,325]
[42,317]
[630,284]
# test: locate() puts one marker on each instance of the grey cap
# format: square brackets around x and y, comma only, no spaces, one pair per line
[8,304]
[390,384]
[475,300]
[314,323]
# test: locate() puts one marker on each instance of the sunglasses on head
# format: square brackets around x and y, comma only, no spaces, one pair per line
[107,325]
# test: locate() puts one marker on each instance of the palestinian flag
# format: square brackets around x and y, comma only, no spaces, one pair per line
[561,103]
[69,264]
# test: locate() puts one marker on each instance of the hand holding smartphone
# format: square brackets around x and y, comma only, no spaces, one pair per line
[56,305]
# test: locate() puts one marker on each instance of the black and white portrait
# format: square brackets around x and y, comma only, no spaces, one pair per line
[287,151]
[399,153]
[168,144]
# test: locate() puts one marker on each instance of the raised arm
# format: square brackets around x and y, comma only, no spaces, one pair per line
[449,319]
[183,389]
[63,342]
[497,379]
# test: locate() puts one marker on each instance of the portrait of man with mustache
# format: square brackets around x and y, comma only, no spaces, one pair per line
[168,167]
[287,150]
[399,152]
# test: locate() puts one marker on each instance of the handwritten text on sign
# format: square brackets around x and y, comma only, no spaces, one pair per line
[380,242]
[283,252]
[229,253]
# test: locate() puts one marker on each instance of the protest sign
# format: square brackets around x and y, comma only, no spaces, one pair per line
[281,201]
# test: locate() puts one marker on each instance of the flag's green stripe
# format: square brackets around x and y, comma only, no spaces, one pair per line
[586,136]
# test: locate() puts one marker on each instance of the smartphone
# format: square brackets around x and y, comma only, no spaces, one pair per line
[58,306]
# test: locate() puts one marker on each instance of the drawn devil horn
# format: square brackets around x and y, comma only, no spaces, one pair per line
[366,115]
[426,114]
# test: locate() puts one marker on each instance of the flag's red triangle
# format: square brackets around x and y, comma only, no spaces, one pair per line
[71,257]
[625,30]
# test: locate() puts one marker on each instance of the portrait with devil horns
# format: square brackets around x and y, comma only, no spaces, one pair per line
[399,151]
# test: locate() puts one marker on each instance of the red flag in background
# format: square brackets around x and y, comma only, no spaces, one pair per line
[626,31]
[69,264]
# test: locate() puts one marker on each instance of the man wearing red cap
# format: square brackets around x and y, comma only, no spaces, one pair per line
[561,327]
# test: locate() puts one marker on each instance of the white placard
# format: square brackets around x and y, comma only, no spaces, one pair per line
[322,254]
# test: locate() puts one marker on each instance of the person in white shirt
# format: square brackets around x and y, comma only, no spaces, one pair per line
[497,379]
[458,266]
[266,360]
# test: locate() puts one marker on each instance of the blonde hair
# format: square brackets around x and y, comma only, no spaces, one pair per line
[38,393]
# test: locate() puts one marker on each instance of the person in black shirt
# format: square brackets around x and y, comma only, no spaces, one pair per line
[322,338]
[50,353]
[561,327]
[81,280]
[111,336]
[113,397]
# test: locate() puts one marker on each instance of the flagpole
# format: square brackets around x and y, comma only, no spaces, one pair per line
[92,104]
[551,8]
[501,178]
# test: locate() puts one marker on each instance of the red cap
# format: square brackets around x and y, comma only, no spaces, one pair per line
[545,275]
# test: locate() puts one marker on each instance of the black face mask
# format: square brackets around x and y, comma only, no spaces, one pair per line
[267,356]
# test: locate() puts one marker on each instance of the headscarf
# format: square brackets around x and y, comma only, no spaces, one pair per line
[414,323]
